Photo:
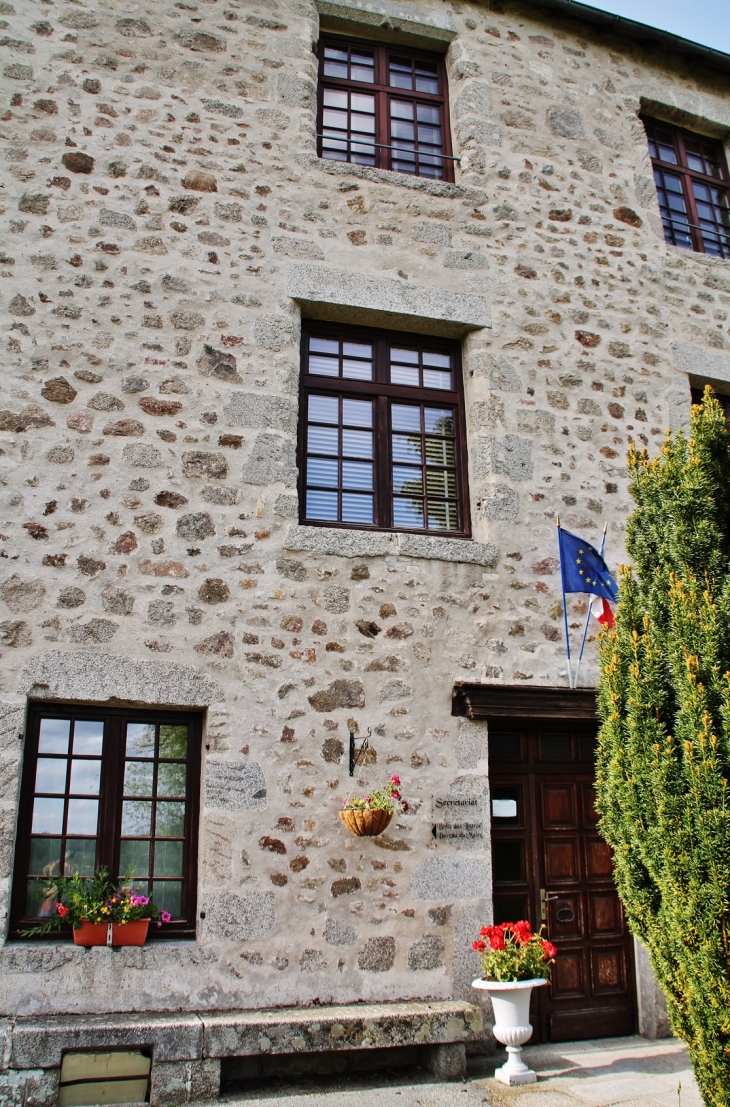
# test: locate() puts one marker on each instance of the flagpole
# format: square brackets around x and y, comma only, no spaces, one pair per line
[565,607]
[588,614]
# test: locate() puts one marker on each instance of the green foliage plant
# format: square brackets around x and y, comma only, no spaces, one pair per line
[664,745]
[511,951]
[96,899]
[388,798]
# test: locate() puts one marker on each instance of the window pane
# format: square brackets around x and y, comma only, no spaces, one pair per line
[37,902]
[406,479]
[323,440]
[406,418]
[321,366]
[134,859]
[170,820]
[441,482]
[401,109]
[406,449]
[140,739]
[335,69]
[171,780]
[439,452]
[168,896]
[47,816]
[51,774]
[407,357]
[357,474]
[322,505]
[85,778]
[357,443]
[332,98]
[83,816]
[88,737]
[173,741]
[357,413]
[324,345]
[357,509]
[401,73]
[427,77]
[357,370]
[323,473]
[439,420]
[136,818]
[407,513]
[404,374]
[442,516]
[138,776]
[357,349]
[324,409]
[54,736]
[80,856]
[437,378]
[45,857]
[168,858]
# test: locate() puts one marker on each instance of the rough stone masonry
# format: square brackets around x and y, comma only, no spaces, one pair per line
[166,225]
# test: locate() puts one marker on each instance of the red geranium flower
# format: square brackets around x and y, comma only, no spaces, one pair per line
[63,911]
[549,950]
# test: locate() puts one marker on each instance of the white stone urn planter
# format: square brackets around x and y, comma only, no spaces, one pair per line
[511,1002]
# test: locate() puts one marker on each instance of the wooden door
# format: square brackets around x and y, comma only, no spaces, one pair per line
[552,867]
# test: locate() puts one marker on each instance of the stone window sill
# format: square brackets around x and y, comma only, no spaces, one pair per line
[341,542]
[444,189]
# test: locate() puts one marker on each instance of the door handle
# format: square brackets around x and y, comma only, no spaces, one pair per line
[545,898]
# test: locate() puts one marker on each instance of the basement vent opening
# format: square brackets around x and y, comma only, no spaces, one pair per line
[119,1076]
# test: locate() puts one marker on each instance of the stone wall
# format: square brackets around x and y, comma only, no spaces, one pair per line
[167,223]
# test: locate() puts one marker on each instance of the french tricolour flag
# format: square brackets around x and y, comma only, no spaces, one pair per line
[601,610]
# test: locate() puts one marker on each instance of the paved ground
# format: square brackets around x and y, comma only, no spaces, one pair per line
[630,1072]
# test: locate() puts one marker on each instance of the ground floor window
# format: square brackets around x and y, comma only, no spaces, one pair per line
[111,788]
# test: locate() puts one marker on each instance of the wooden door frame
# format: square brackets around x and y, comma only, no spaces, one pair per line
[501,702]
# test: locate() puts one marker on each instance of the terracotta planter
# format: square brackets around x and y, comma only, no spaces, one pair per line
[122,934]
[366,823]
[90,934]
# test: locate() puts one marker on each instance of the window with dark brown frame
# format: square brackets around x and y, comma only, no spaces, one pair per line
[383,106]
[693,187]
[111,788]
[382,442]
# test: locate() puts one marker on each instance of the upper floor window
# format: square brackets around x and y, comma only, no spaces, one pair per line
[109,788]
[693,186]
[382,441]
[383,106]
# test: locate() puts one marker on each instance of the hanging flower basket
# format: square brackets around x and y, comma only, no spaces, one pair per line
[366,823]
[112,934]
[368,816]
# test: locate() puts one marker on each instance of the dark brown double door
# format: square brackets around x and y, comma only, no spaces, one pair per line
[552,867]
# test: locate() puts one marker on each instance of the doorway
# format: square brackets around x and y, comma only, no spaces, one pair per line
[551,866]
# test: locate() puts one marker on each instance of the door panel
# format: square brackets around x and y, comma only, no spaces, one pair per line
[552,867]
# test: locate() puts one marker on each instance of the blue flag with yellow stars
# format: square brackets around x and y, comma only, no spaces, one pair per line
[583,569]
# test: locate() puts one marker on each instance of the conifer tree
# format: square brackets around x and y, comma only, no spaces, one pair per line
[664,747]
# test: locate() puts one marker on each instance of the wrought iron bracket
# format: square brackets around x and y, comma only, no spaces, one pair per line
[355,755]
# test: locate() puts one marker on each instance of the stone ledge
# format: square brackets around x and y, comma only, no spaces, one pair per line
[40,1042]
[355,298]
[101,677]
[308,160]
[701,362]
[357,543]
[383,18]
[360,1026]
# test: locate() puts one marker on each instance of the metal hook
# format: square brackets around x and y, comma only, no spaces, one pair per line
[355,757]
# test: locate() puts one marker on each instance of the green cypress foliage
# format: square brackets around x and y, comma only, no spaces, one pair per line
[664,748]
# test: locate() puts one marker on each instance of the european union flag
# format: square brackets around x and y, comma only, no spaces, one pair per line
[583,569]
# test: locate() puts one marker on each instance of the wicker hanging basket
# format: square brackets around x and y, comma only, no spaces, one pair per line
[366,823]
